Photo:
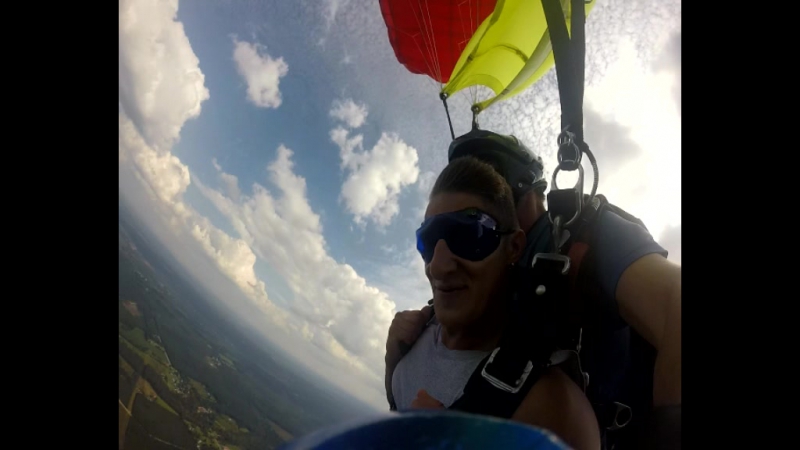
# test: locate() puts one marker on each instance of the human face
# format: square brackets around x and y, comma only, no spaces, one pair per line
[464,290]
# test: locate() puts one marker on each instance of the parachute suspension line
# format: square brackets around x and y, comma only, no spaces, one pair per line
[430,61]
[431,39]
[471,93]
[443,96]
[413,38]
[435,83]
[475,111]
[433,42]
[473,90]
[569,55]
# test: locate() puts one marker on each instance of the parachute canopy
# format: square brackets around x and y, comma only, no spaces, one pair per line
[506,50]
[428,36]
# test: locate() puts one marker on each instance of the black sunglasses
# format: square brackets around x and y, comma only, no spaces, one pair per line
[470,234]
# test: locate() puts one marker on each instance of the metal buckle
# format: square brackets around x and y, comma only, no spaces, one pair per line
[578,188]
[553,257]
[567,140]
[500,384]
[621,408]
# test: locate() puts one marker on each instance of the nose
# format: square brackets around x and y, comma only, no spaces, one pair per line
[443,261]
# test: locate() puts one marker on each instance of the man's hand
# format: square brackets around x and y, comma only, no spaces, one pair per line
[425,401]
[404,331]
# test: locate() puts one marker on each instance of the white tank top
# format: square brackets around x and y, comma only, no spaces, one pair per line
[429,365]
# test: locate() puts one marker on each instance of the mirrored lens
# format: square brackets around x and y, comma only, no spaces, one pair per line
[466,237]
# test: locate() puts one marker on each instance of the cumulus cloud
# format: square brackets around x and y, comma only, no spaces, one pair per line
[335,309]
[230,183]
[670,61]
[426,182]
[376,176]
[160,82]
[284,231]
[403,278]
[320,355]
[261,72]
[349,112]
[609,141]
[167,178]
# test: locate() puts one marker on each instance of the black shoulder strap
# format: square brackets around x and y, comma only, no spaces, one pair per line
[569,56]
[503,378]
[546,312]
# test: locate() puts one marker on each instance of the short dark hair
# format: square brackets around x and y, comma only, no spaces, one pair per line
[470,175]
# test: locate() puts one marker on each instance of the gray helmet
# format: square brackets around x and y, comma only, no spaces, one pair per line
[522,169]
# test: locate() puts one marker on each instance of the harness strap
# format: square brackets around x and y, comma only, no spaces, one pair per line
[578,248]
[569,56]
[503,379]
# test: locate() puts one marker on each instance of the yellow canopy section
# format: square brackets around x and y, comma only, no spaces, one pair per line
[509,51]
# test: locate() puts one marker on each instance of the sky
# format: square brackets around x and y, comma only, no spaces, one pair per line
[281,153]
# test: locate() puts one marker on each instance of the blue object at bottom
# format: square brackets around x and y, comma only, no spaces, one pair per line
[430,430]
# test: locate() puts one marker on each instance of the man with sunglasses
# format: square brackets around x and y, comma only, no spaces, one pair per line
[625,278]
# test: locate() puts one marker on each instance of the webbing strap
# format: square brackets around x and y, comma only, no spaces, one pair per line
[569,55]
[503,379]
[576,254]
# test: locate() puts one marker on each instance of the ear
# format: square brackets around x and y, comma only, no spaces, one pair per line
[517,242]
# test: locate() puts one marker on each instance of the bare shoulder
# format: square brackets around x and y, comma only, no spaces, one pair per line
[649,274]
[648,292]
[557,404]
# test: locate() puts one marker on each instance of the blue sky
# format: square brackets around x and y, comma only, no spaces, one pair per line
[283,155]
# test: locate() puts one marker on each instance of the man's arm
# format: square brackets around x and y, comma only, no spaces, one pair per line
[555,403]
[633,271]
[649,299]
[403,332]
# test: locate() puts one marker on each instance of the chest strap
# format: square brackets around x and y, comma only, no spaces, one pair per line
[503,378]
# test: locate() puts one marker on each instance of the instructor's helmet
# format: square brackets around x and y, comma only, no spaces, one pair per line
[522,169]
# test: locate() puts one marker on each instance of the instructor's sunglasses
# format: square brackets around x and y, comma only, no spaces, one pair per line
[470,234]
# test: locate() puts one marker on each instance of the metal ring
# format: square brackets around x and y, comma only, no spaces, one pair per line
[579,187]
[621,409]
[567,139]
[578,153]
[580,177]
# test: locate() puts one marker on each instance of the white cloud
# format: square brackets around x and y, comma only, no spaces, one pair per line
[330,9]
[261,72]
[426,182]
[230,183]
[323,355]
[161,87]
[670,61]
[649,183]
[375,177]
[339,313]
[349,112]
[160,82]
[404,278]
[284,231]
[167,179]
